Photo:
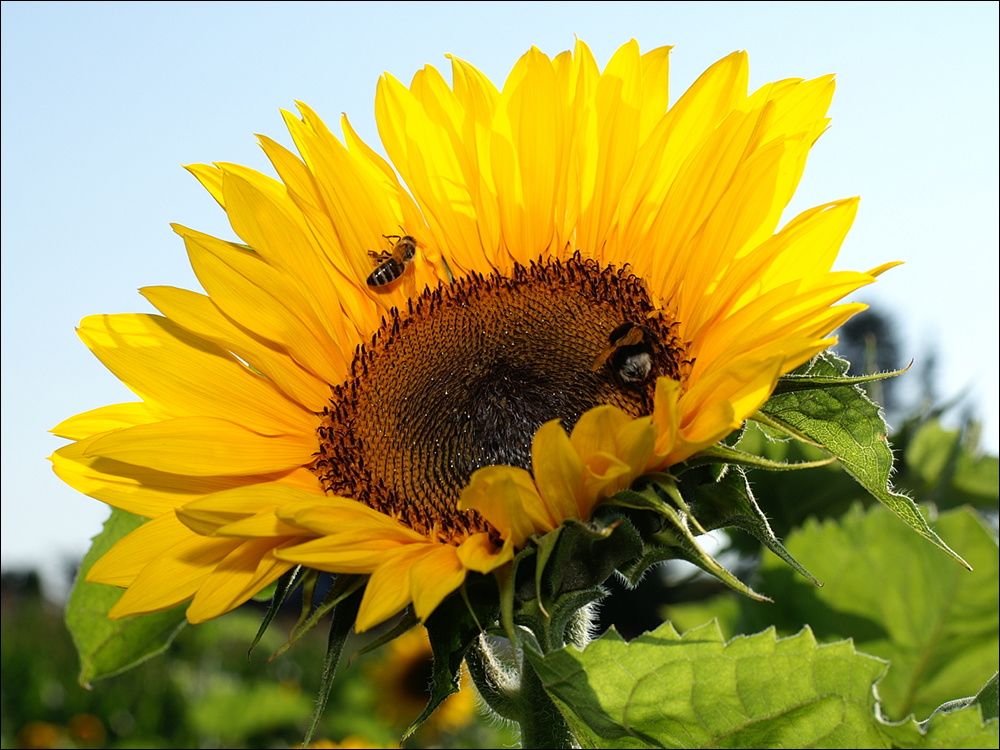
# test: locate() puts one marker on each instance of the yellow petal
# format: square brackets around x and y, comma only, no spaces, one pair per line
[237,577]
[527,140]
[259,526]
[434,576]
[558,470]
[389,588]
[173,577]
[205,515]
[335,515]
[478,553]
[120,565]
[507,498]
[618,102]
[137,489]
[199,315]
[203,446]
[106,418]
[163,363]
[246,288]
[343,554]
[666,416]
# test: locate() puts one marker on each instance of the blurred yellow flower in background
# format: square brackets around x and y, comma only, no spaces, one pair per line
[402,679]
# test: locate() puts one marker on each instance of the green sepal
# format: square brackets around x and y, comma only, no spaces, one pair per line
[819,401]
[343,586]
[545,546]
[496,681]
[553,628]
[646,495]
[345,611]
[452,629]
[405,623]
[723,454]
[680,544]
[730,502]
[674,540]
[281,589]
[799,380]
[506,578]
[109,647]
[587,553]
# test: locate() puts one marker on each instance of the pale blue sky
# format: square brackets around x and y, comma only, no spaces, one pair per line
[102,103]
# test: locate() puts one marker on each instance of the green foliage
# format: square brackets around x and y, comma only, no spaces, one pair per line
[451,629]
[108,647]
[944,467]
[232,711]
[203,692]
[696,690]
[843,422]
[934,464]
[957,724]
[936,623]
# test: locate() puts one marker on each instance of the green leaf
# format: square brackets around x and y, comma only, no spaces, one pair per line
[847,425]
[791,497]
[109,647]
[978,476]
[989,698]
[957,724]
[942,468]
[936,623]
[671,691]
[342,588]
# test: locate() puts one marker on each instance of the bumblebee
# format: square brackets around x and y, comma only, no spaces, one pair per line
[629,354]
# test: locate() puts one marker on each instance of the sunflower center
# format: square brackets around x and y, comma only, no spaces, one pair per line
[466,376]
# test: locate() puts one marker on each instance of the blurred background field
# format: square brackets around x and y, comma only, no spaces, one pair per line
[204,692]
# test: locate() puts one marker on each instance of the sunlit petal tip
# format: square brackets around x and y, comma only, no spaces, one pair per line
[879,270]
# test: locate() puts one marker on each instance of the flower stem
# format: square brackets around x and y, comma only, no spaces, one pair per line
[514,691]
[542,724]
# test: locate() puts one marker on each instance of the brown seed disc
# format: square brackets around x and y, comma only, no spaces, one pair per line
[467,375]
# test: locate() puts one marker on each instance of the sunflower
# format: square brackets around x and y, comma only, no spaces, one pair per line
[380,377]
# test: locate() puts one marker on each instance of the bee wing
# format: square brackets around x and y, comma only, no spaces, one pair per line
[601,359]
[635,335]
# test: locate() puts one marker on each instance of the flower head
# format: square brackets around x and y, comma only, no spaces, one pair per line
[380,379]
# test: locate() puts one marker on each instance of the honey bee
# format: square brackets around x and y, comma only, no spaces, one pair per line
[629,353]
[392,263]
